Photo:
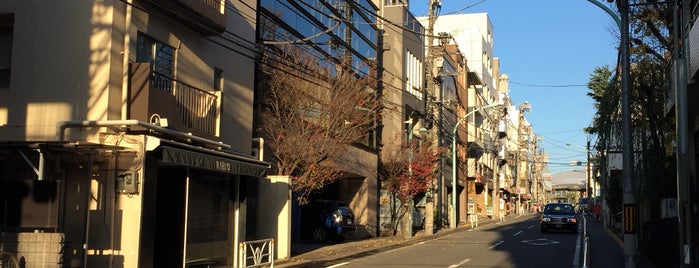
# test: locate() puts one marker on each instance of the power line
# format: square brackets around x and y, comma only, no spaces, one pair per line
[544,85]
[462,9]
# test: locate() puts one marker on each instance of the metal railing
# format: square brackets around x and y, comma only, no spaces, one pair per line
[586,242]
[197,109]
[256,253]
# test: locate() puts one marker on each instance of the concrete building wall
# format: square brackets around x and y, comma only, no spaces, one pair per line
[70,62]
[404,54]
[474,35]
[71,72]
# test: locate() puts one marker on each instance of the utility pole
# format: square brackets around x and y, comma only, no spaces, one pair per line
[588,175]
[433,8]
[630,212]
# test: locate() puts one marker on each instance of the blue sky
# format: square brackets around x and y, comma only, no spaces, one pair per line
[549,49]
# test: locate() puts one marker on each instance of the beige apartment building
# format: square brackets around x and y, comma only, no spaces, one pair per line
[126,132]
[403,91]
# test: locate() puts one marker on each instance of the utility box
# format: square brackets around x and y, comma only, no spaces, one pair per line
[127,182]
[668,208]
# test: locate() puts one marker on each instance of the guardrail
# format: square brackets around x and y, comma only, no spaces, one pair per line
[586,242]
[256,253]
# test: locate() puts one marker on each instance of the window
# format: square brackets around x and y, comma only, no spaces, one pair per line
[6,33]
[160,54]
[162,58]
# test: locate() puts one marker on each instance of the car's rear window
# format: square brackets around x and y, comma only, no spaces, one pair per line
[559,209]
[345,211]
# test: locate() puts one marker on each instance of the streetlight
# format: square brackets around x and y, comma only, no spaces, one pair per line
[452,224]
[630,206]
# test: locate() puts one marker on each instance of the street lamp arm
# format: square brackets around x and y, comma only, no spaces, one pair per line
[456,126]
[452,224]
[609,11]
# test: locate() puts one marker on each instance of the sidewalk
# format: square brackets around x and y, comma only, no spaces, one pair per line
[314,255]
[606,248]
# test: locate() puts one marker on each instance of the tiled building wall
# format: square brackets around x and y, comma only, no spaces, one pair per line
[34,250]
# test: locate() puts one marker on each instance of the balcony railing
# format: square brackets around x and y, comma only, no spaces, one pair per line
[188,109]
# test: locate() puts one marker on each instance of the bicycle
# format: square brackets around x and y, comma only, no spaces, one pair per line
[8,260]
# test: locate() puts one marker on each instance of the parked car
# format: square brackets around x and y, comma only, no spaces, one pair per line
[325,220]
[560,216]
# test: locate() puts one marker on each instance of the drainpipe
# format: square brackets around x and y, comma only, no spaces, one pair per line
[125,61]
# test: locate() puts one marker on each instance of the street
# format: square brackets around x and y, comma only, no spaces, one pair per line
[513,243]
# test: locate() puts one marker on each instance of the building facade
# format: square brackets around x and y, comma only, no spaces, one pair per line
[342,32]
[404,94]
[682,73]
[474,35]
[127,141]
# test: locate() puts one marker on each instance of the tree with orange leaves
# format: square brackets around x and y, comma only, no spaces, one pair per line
[407,172]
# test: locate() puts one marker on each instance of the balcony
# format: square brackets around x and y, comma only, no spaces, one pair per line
[207,17]
[187,109]
[471,168]
[475,145]
[502,129]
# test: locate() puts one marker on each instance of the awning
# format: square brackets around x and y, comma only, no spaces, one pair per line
[202,158]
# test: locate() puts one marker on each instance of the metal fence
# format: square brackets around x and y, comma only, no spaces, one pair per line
[256,253]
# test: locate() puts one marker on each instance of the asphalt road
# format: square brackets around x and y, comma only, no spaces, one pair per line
[513,243]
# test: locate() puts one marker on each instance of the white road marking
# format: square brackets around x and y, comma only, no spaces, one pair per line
[531,226]
[337,265]
[540,242]
[518,233]
[576,256]
[496,244]
[459,264]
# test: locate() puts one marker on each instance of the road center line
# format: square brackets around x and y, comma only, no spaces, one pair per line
[531,226]
[459,264]
[518,233]
[496,244]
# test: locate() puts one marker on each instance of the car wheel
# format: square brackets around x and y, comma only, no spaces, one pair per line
[320,234]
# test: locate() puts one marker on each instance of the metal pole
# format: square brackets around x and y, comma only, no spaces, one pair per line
[630,208]
[588,176]
[409,214]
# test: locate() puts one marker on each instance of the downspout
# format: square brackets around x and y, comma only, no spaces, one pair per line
[125,85]
[62,126]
